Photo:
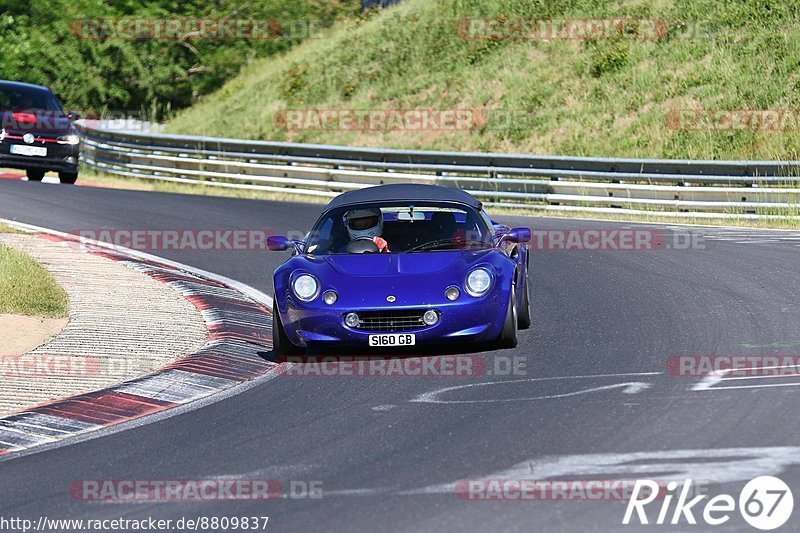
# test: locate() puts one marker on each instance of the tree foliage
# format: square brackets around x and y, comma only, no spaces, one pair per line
[45,42]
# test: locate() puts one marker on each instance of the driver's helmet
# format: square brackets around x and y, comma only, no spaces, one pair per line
[364,223]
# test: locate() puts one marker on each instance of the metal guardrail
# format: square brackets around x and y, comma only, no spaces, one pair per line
[718,189]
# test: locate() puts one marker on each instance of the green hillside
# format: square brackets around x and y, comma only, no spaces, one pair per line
[556,96]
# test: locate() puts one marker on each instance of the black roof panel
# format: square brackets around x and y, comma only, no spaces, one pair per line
[404,192]
[22,85]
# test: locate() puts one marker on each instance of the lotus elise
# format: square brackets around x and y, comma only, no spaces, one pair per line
[397,266]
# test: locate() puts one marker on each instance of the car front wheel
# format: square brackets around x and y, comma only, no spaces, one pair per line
[281,345]
[68,177]
[34,174]
[508,337]
[524,320]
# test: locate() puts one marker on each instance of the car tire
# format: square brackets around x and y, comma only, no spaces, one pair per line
[281,345]
[34,174]
[524,315]
[508,337]
[68,177]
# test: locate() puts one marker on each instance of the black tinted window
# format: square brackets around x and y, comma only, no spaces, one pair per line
[431,227]
[25,99]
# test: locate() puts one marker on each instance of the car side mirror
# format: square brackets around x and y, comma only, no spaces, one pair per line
[278,243]
[74,115]
[519,235]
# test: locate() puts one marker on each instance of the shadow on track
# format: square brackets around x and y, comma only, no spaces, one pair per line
[385,353]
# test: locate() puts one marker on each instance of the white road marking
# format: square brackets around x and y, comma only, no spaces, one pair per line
[722,465]
[759,386]
[710,381]
[630,387]
[353,492]
[735,378]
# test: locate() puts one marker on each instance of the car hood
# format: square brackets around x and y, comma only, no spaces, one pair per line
[366,280]
[370,265]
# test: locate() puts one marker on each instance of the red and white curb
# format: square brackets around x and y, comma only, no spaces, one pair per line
[238,318]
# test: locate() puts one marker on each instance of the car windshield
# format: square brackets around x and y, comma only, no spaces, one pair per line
[18,98]
[404,228]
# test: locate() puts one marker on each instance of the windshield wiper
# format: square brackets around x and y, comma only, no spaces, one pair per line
[441,242]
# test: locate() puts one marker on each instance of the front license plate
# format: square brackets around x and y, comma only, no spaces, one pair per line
[393,339]
[21,149]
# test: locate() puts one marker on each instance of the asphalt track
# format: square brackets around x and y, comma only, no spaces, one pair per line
[385,462]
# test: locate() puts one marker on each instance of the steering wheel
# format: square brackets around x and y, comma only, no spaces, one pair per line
[362,245]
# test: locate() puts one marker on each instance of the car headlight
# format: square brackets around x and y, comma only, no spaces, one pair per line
[305,287]
[430,317]
[351,319]
[329,297]
[478,282]
[69,139]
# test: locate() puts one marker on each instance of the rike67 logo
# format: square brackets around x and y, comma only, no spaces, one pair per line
[765,503]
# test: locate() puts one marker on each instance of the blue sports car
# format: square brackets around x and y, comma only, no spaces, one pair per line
[401,265]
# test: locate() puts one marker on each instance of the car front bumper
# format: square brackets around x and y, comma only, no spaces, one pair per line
[59,158]
[466,320]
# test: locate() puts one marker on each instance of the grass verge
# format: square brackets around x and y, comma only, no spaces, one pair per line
[28,289]
[4,228]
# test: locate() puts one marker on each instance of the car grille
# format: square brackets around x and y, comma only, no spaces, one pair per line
[391,321]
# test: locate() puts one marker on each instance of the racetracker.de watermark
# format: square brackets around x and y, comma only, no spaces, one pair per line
[192,490]
[733,365]
[39,121]
[561,490]
[44,365]
[392,119]
[580,29]
[34,119]
[208,240]
[765,120]
[193,29]
[441,366]
[614,239]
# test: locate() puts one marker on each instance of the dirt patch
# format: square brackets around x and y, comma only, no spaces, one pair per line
[20,334]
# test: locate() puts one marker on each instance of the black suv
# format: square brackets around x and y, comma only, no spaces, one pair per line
[36,134]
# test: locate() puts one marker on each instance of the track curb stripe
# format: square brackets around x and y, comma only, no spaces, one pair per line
[240,329]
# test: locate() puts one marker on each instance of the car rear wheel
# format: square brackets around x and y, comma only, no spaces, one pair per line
[68,177]
[281,345]
[524,320]
[508,337]
[34,174]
